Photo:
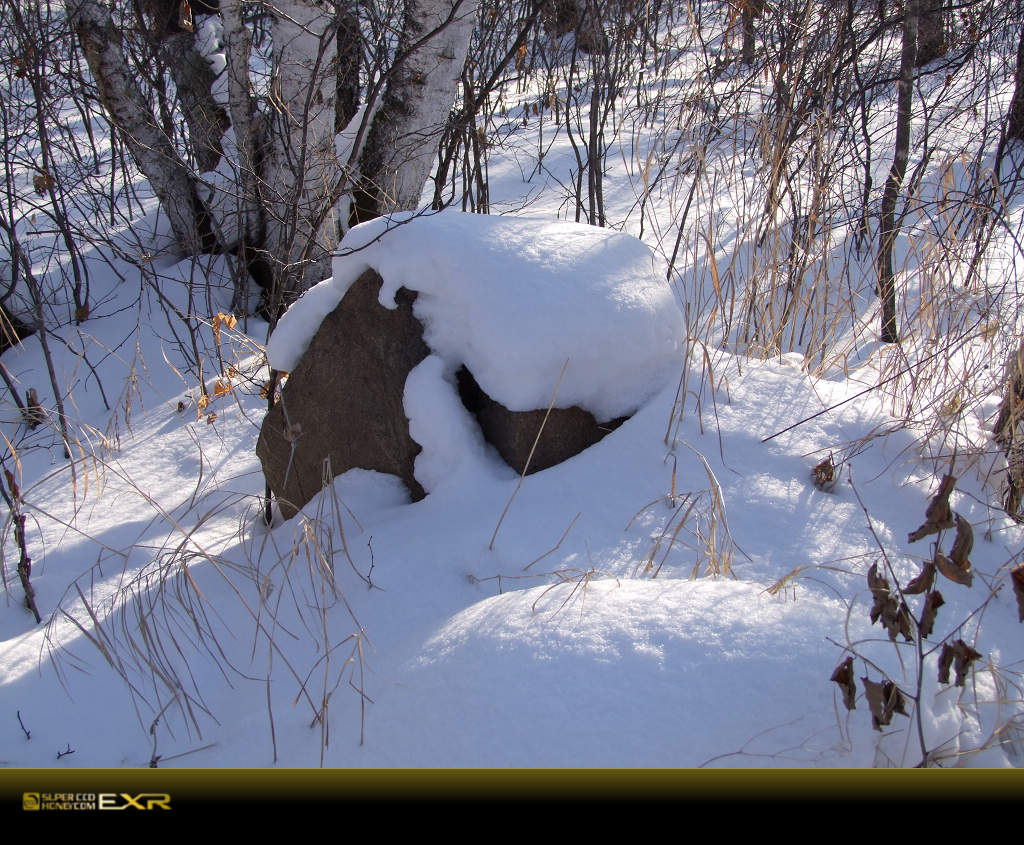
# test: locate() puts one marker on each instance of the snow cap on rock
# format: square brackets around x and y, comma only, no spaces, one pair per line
[513,299]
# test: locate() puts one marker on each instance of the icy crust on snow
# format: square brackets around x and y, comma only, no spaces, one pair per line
[513,299]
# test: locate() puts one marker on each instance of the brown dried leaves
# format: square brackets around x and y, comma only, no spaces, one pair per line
[884,699]
[932,602]
[33,413]
[960,656]
[843,675]
[938,515]
[923,582]
[824,475]
[894,614]
[221,319]
[957,567]
[43,182]
[1017,578]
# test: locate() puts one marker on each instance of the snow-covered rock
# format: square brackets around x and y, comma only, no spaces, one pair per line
[515,313]
[514,299]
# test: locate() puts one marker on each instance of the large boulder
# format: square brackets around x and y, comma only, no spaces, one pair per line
[504,313]
[343,402]
[342,407]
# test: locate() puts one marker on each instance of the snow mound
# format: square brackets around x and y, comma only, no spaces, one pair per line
[514,299]
[586,659]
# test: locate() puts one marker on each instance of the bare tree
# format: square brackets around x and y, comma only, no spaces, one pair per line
[128,109]
[287,205]
[403,140]
[1015,117]
[888,228]
[931,32]
[302,160]
[750,10]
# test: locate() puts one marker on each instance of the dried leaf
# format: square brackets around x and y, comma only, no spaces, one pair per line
[932,602]
[521,57]
[923,582]
[900,623]
[884,609]
[42,182]
[938,515]
[895,615]
[938,510]
[961,656]
[843,675]
[181,406]
[945,662]
[185,17]
[1017,578]
[824,474]
[12,485]
[222,319]
[880,591]
[963,544]
[965,656]
[923,530]
[953,572]
[221,389]
[876,583]
[883,699]
[210,418]
[23,63]
[204,400]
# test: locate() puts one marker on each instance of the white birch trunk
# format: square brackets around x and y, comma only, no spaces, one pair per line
[403,141]
[303,163]
[151,149]
[240,105]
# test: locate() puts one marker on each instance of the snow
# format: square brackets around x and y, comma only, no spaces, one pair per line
[450,438]
[514,299]
[210,44]
[677,595]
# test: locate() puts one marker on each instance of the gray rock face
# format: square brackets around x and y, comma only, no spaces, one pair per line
[344,400]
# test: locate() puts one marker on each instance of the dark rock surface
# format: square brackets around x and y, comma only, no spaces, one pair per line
[567,432]
[344,399]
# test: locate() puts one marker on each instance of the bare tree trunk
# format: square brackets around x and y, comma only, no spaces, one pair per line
[193,77]
[303,163]
[931,32]
[403,140]
[173,38]
[237,47]
[1015,117]
[349,54]
[1008,432]
[888,228]
[749,10]
[149,146]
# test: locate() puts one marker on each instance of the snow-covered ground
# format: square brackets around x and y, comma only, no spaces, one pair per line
[677,595]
